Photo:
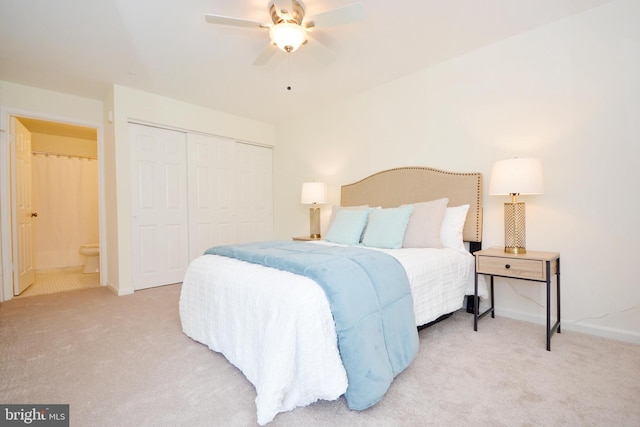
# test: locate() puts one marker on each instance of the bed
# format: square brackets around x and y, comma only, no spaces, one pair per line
[277,326]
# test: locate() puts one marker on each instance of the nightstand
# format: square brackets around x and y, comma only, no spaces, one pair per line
[533,266]
[306,238]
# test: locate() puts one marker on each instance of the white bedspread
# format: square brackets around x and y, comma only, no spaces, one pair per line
[277,328]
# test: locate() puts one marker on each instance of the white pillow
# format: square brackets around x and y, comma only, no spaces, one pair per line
[425,223]
[386,227]
[347,226]
[452,226]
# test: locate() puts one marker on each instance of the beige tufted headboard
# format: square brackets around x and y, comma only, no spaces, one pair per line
[393,187]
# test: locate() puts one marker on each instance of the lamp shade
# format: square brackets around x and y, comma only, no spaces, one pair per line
[313,192]
[516,176]
[288,36]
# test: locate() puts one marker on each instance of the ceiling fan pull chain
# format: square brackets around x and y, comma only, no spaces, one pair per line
[289,72]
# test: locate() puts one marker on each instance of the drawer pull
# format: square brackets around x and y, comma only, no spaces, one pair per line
[507,266]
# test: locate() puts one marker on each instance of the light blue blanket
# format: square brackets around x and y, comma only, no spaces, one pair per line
[371,302]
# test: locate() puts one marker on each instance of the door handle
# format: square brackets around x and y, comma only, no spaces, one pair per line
[34,214]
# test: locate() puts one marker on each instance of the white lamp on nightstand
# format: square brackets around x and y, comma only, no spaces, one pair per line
[314,193]
[515,177]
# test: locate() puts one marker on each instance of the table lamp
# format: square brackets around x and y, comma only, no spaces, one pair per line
[517,176]
[314,194]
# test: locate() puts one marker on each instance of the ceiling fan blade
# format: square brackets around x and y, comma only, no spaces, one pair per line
[266,54]
[317,49]
[343,15]
[234,22]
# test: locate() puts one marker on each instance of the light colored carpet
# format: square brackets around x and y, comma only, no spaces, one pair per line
[124,361]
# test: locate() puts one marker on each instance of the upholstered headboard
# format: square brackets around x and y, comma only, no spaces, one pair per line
[393,187]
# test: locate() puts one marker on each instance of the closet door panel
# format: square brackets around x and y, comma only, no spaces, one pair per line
[255,203]
[159,206]
[212,201]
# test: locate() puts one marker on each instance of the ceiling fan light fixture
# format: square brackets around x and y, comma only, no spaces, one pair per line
[288,36]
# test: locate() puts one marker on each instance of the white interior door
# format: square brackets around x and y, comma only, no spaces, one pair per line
[159,206]
[212,199]
[22,201]
[255,195]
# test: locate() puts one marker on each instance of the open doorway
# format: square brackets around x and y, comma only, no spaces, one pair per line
[55,238]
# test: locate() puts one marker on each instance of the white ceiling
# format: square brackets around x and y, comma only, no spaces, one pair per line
[82,47]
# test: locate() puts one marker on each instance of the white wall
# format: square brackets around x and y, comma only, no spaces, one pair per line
[568,93]
[33,102]
[133,105]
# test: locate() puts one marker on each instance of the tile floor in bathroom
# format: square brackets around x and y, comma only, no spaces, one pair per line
[61,280]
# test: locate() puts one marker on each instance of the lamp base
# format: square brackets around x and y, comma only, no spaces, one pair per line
[314,222]
[514,228]
[515,251]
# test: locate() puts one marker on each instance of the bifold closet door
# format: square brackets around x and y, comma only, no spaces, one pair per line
[212,195]
[230,192]
[254,169]
[159,206]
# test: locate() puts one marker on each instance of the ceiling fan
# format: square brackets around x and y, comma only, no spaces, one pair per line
[289,29]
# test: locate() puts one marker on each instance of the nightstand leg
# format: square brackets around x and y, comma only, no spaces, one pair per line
[548,314]
[558,290]
[493,311]
[548,305]
[475,303]
[556,325]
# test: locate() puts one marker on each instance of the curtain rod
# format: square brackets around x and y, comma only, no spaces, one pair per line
[45,153]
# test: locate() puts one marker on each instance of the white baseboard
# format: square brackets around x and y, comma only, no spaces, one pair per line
[582,327]
[117,291]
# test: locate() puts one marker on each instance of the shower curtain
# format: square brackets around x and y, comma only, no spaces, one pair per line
[65,196]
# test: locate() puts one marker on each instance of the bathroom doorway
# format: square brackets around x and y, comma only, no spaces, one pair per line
[61,175]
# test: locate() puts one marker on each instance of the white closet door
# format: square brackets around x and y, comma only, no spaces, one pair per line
[255,194]
[159,206]
[212,199]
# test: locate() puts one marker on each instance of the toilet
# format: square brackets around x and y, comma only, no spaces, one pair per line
[92,258]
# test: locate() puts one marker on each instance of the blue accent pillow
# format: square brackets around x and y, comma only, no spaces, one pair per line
[347,226]
[386,227]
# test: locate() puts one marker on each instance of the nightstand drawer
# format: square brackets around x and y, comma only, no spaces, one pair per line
[513,267]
